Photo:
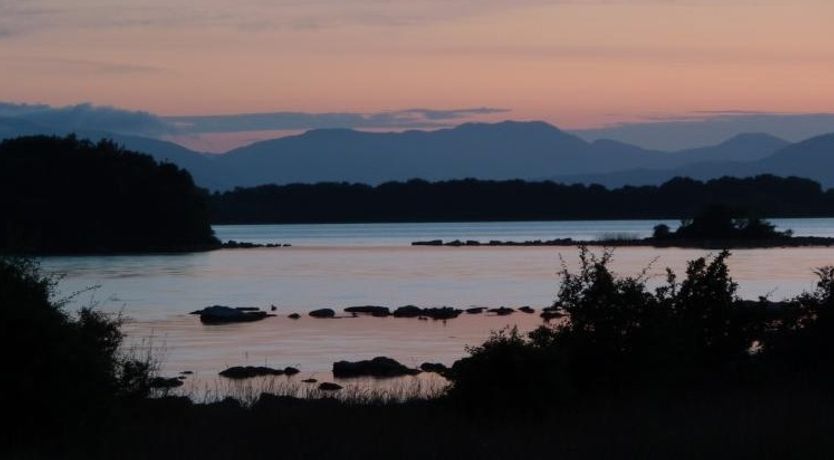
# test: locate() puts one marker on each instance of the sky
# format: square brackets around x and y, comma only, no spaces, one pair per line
[579,64]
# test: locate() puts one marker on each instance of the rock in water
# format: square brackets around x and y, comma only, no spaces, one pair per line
[219,314]
[246,372]
[438,368]
[369,310]
[329,386]
[442,313]
[408,311]
[377,367]
[323,313]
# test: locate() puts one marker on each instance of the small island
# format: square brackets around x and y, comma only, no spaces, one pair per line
[715,227]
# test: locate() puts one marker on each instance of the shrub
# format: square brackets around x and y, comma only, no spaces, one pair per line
[618,334]
[59,368]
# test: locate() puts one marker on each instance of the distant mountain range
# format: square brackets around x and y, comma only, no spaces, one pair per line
[506,150]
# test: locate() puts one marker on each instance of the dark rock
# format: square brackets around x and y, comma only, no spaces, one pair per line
[186,372]
[232,244]
[548,315]
[219,314]
[442,312]
[377,367]
[323,313]
[475,310]
[526,309]
[245,372]
[501,311]
[291,370]
[428,243]
[162,382]
[422,318]
[369,310]
[438,368]
[309,380]
[293,316]
[329,386]
[408,311]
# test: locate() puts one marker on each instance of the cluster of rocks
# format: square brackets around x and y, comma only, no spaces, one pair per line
[377,367]
[407,311]
[232,244]
[458,243]
[382,367]
[219,314]
[247,372]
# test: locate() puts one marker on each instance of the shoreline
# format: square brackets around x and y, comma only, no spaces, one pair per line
[791,242]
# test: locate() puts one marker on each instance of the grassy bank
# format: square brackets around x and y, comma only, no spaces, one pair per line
[790,421]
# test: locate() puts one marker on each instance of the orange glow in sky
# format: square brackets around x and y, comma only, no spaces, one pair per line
[578,63]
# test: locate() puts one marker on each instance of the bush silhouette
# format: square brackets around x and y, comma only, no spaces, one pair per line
[618,335]
[59,368]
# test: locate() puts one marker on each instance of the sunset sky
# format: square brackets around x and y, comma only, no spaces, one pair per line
[575,63]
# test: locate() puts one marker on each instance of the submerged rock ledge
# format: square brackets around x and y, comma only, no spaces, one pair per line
[700,243]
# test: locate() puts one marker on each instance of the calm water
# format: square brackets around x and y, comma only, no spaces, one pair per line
[343,265]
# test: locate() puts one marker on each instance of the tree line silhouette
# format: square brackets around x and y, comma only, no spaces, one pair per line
[473,200]
[65,195]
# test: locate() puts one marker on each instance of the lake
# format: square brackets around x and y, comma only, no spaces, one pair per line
[341,265]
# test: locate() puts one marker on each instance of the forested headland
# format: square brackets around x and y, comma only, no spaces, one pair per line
[65,195]
[477,200]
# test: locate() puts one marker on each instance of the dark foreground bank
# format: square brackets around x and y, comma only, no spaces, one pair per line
[683,370]
[794,421]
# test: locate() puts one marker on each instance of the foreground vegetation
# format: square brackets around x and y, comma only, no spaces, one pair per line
[64,195]
[685,370]
[480,200]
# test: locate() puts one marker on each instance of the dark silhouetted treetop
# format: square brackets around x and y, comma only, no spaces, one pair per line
[64,195]
[723,222]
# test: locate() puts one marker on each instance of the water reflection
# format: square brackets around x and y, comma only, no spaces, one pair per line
[158,291]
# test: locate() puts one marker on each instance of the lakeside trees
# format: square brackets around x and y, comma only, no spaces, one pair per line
[64,195]
[622,339]
[723,223]
[472,200]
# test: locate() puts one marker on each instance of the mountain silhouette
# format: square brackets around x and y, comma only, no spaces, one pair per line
[812,159]
[506,150]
